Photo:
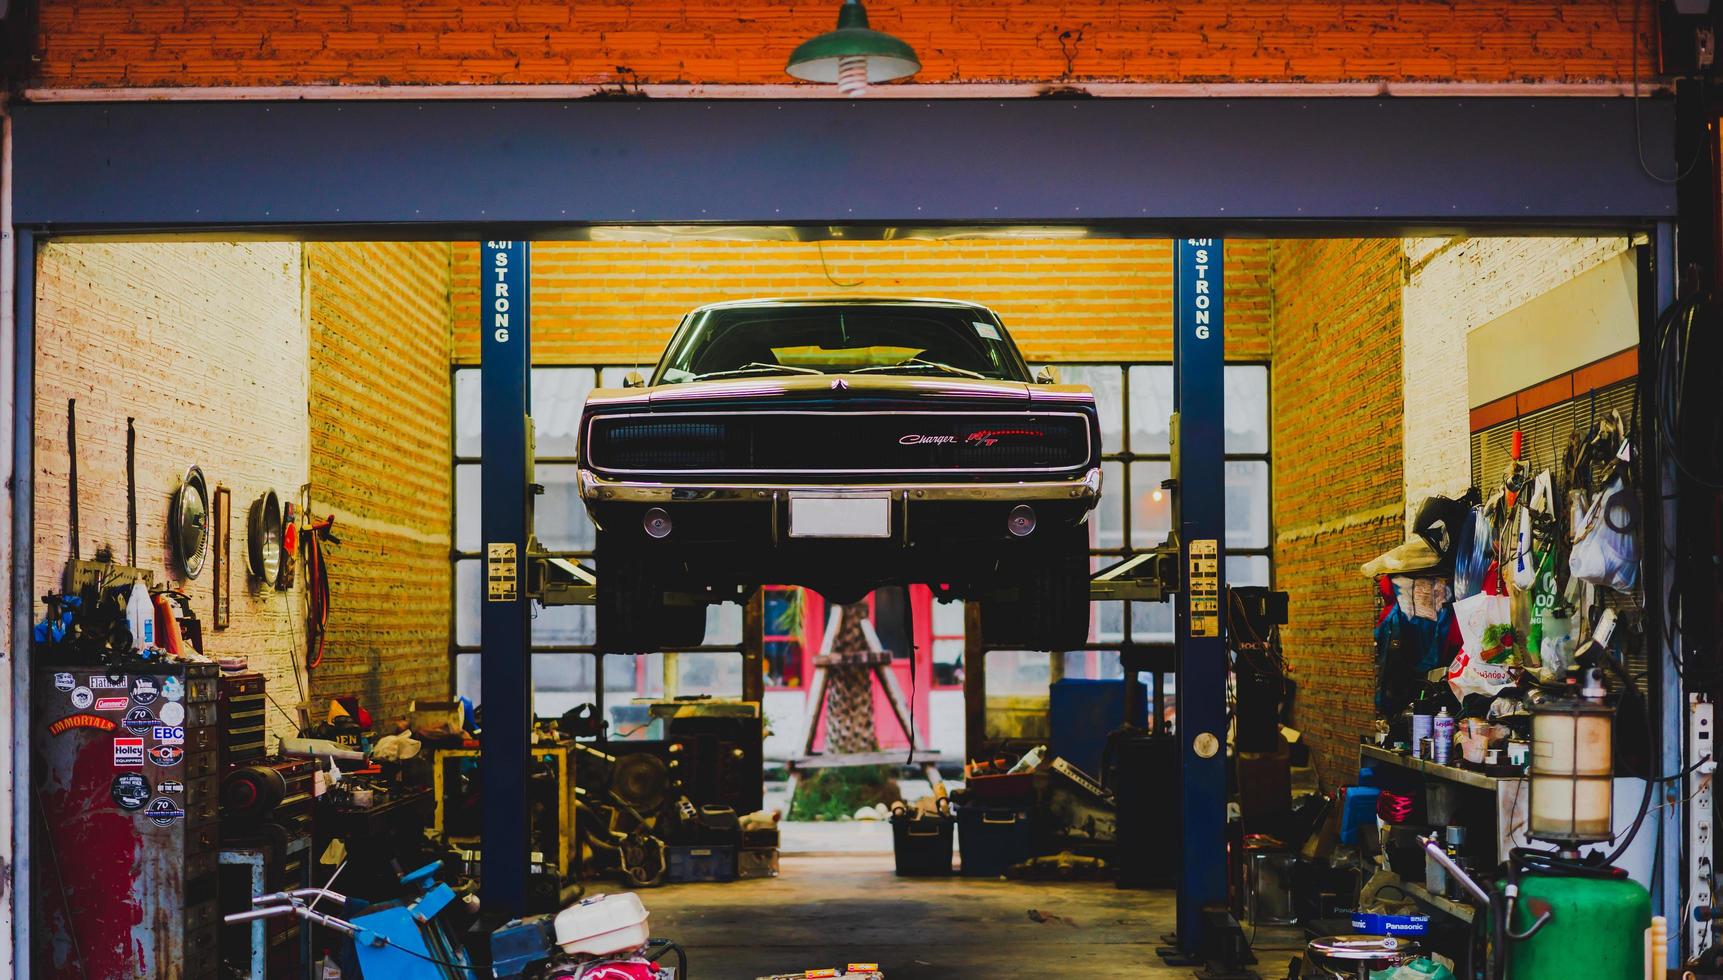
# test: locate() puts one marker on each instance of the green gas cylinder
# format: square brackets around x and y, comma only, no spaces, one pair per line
[1596,931]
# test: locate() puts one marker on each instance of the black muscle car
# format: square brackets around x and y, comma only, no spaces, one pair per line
[842,445]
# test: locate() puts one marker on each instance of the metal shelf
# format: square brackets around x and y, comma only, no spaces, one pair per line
[1453,774]
[1458,910]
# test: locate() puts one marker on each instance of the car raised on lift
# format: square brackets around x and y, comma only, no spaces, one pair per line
[843,445]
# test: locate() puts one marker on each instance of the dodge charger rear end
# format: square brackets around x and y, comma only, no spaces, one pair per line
[842,445]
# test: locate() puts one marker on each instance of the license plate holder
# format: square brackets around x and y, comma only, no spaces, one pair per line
[834,515]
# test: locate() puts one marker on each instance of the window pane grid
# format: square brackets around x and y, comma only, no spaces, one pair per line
[562,643]
[1134,400]
[1130,395]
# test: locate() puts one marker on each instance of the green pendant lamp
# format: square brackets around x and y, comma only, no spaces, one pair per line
[854,55]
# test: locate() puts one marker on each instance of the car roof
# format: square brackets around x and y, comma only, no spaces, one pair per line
[843,301]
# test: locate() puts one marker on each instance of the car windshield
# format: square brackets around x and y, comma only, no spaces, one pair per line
[740,341]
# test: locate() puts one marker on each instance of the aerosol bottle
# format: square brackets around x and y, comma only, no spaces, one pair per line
[141,617]
[1442,735]
[1422,725]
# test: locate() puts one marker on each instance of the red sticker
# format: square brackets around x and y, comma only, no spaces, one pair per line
[70,722]
[128,753]
[166,755]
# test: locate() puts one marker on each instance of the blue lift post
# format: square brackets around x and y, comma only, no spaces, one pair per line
[505,666]
[1199,467]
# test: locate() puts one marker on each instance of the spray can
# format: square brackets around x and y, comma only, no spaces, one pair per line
[1442,733]
[1421,726]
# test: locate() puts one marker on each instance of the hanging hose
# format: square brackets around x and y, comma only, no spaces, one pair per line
[317,589]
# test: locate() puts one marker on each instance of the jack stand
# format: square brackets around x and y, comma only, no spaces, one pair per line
[1225,954]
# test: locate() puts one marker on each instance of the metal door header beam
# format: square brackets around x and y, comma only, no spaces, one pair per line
[537,165]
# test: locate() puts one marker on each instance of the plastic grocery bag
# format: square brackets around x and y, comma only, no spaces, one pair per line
[1418,969]
[1468,675]
[1605,543]
[1488,646]
[1472,554]
[1487,628]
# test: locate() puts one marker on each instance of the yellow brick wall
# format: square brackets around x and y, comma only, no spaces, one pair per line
[616,302]
[205,345]
[380,418]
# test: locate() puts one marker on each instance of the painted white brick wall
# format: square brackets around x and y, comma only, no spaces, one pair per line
[1454,285]
[206,345]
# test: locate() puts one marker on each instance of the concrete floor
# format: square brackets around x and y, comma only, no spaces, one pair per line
[827,910]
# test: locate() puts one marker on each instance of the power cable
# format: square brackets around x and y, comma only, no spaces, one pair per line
[827,269]
[1671,364]
[1638,132]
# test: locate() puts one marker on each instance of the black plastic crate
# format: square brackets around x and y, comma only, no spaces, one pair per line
[921,842]
[992,839]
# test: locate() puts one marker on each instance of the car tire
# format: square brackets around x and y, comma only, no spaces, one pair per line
[682,627]
[1051,610]
[630,607]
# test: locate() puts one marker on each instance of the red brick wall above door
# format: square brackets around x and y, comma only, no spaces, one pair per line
[94,43]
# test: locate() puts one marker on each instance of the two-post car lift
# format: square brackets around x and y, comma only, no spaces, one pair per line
[1187,567]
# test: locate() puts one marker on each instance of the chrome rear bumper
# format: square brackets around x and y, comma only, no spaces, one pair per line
[596,489]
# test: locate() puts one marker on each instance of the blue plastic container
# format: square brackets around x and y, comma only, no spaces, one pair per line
[1080,715]
[1359,811]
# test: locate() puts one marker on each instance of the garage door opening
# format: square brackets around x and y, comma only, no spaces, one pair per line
[1362,376]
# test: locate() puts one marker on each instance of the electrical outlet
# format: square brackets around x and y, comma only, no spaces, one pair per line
[1701,815]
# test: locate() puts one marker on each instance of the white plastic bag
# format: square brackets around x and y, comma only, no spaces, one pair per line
[1486,627]
[1605,543]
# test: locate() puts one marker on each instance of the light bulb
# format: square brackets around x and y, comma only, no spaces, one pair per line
[852,75]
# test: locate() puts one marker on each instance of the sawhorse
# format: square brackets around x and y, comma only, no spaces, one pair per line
[878,662]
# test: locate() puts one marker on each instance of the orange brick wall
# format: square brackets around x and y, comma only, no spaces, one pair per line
[1338,487]
[626,42]
[380,431]
[616,303]
[204,343]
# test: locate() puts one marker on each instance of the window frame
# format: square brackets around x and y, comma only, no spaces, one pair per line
[458,555]
[1122,456]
